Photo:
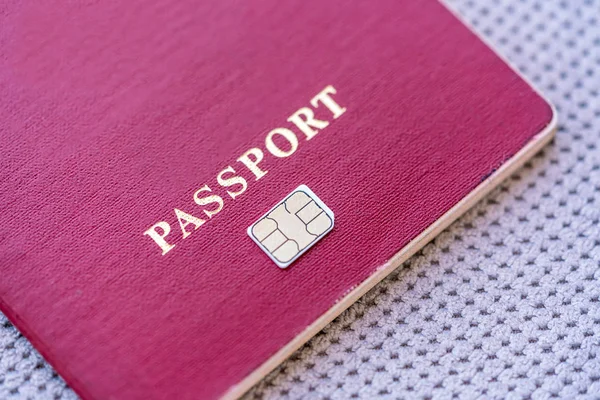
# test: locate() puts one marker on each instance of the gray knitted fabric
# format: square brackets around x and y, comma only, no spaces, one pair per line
[503,304]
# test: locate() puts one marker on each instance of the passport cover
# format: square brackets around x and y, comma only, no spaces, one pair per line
[141,139]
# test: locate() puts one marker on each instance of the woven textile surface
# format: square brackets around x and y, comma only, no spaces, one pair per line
[503,304]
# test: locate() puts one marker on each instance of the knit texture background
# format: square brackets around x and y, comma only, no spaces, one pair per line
[503,304]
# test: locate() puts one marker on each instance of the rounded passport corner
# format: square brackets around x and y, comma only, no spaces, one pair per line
[548,133]
[552,126]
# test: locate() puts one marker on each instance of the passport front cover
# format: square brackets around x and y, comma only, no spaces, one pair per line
[140,141]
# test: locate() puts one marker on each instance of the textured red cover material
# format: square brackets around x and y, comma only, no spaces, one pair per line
[115,113]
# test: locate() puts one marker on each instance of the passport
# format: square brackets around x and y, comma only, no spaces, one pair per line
[171,172]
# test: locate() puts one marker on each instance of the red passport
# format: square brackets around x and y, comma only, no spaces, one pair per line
[144,142]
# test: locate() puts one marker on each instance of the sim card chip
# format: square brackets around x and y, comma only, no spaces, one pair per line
[292,226]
